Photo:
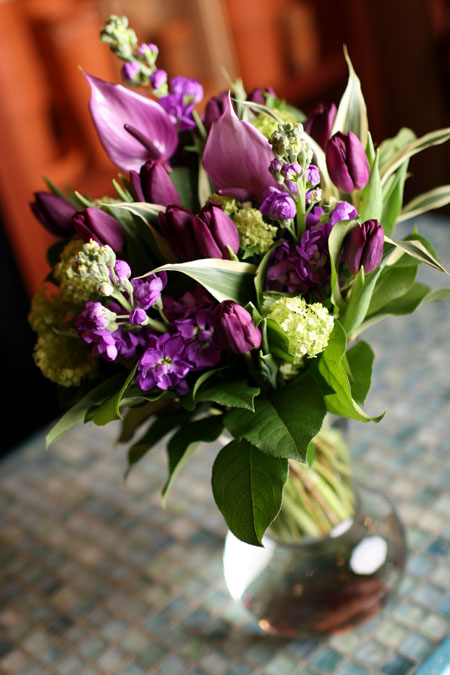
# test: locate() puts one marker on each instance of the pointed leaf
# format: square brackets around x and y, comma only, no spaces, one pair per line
[248,487]
[233,392]
[433,199]
[110,409]
[412,148]
[360,299]
[372,197]
[335,242]
[417,250]
[159,427]
[393,283]
[360,359]
[393,199]
[352,111]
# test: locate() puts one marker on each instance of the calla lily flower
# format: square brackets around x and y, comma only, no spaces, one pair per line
[131,127]
[237,157]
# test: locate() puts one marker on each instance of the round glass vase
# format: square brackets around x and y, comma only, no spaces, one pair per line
[321,585]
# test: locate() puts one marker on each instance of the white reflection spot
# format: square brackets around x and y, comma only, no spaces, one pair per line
[368,555]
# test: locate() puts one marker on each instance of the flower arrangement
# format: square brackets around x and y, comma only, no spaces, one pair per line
[225,285]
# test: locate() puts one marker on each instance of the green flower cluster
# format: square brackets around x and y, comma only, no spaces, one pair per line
[74,288]
[256,235]
[307,327]
[267,125]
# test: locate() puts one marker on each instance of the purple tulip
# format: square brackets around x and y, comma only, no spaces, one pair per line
[363,247]
[258,95]
[214,231]
[236,158]
[95,224]
[176,225]
[320,123]
[215,108]
[54,213]
[347,162]
[278,204]
[234,328]
[131,127]
[152,184]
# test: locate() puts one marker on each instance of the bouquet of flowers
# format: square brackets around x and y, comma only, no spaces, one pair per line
[223,288]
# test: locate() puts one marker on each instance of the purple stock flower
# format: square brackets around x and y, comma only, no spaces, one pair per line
[158,78]
[197,299]
[94,317]
[163,365]
[342,211]
[281,273]
[147,47]
[347,162]
[320,123]
[138,317]
[201,348]
[95,325]
[130,70]
[187,86]
[147,291]
[131,127]
[313,175]
[236,158]
[234,328]
[98,225]
[176,225]
[54,213]
[313,217]
[278,204]
[122,271]
[289,171]
[363,247]
[214,231]
[152,184]
[313,267]
[179,112]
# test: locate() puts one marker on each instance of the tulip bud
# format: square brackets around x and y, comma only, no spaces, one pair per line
[176,226]
[347,162]
[320,123]
[214,231]
[54,213]
[259,95]
[95,224]
[363,247]
[215,108]
[153,185]
[234,328]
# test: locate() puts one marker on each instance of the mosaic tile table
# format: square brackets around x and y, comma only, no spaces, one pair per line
[96,578]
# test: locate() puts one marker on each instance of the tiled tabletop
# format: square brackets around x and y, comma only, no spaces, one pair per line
[97,578]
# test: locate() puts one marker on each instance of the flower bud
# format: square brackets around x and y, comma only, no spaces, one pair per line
[153,185]
[158,78]
[234,328]
[320,123]
[347,162]
[214,231]
[54,213]
[259,95]
[129,70]
[95,224]
[363,247]
[176,225]
[278,205]
[215,108]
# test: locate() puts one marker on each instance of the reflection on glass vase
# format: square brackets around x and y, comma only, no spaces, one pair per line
[321,585]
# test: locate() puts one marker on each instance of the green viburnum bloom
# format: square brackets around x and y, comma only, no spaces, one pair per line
[229,205]
[256,235]
[74,288]
[267,125]
[307,327]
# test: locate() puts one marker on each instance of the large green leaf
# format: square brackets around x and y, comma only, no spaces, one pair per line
[109,410]
[224,279]
[78,412]
[412,148]
[433,199]
[393,199]
[183,443]
[332,369]
[360,359]
[417,249]
[352,110]
[283,425]
[159,427]
[231,391]
[360,298]
[184,181]
[248,488]
[390,146]
[393,283]
[371,205]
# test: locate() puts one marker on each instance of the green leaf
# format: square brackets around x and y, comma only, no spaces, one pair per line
[393,199]
[204,185]
[124,195]
[352,111]
[433,199]
[418,250]
[283,425]
[233,392]
[224,279]
[360,359]
[390,146]
[360,298]
[185,184]
[184,442]
[135,417]
[331,367]
[109,410]
[78,412]
[278,341]
[158,428]
[417,145]
[335,242]
[248,489]
[393,283]
[371,205]
[260,279]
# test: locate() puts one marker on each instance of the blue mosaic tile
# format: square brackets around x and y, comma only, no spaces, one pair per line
[440,547]
[373,653]
[398,665]
[416,646]
[325,659]
[351,668]
[445,607]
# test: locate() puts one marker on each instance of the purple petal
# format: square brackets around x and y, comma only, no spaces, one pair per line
[237,155]
[112,106]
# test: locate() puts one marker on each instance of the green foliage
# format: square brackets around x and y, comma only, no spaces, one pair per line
[371,205]
[230,391]
[352,110]
[360,360]
[247,486]
[362,291]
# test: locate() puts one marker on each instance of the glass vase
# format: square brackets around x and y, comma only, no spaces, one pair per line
[322,585]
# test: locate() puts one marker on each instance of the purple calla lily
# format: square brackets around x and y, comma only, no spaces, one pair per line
[131,127]
[236,158]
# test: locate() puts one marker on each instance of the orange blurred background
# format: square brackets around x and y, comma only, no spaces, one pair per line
[401,51]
